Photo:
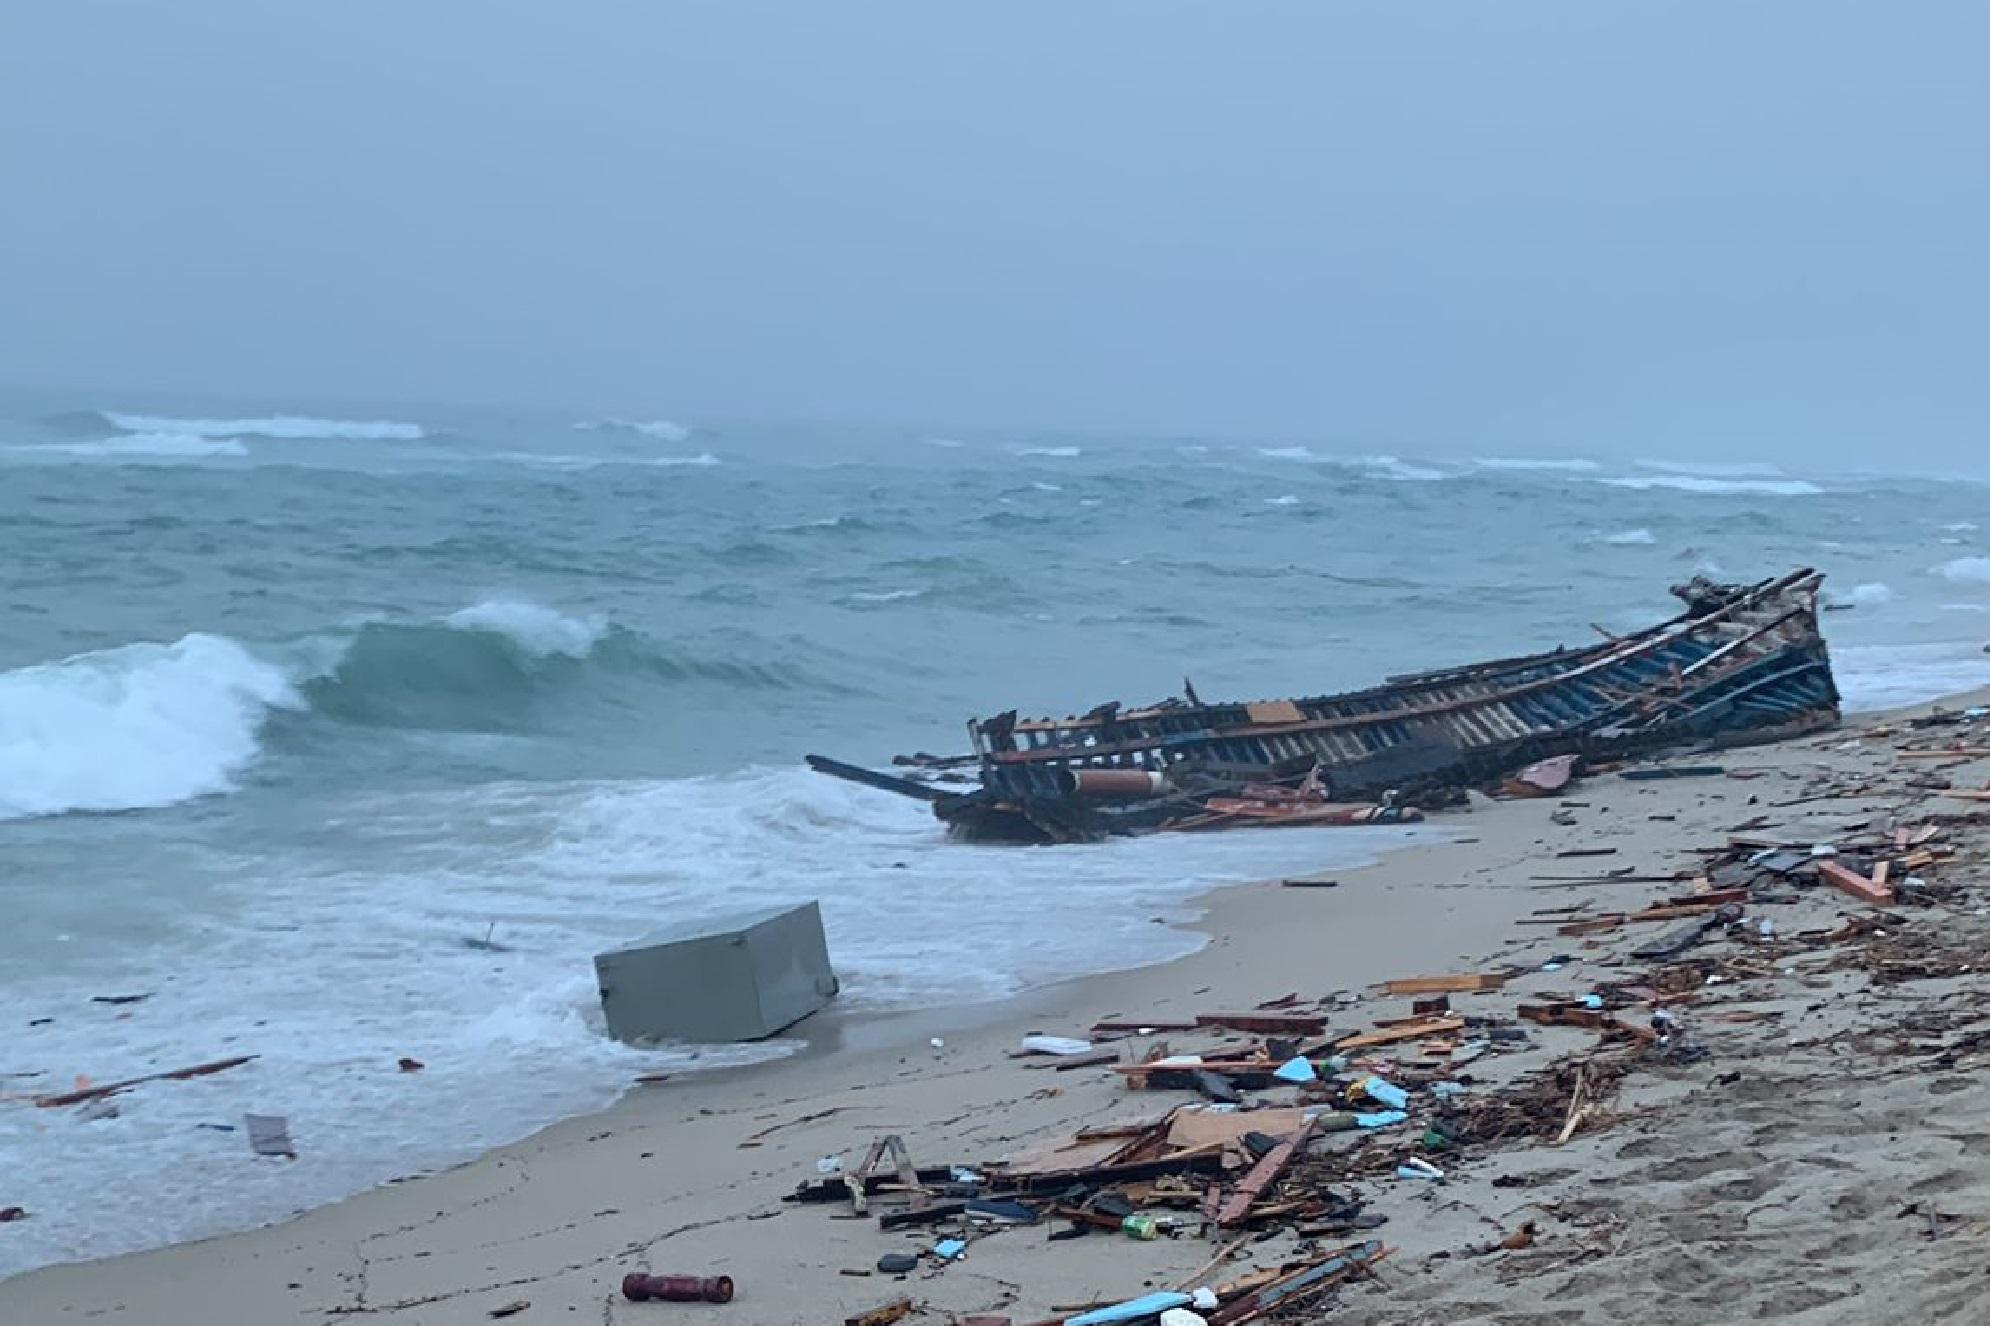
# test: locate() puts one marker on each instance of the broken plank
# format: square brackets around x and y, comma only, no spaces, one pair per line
[1408,1032]
[112,1088]
[1262,1175]
[1297,1024]
[1852,882]
[1463,983]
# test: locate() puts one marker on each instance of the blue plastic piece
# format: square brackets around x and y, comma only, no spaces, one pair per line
[1380,1119]
[1298,1069]
[1132,1310]
[948,1249]
[1388,1093]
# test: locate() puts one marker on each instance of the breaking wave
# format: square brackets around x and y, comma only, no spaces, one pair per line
[1631,538]
[150,446]
[1689,483]
[147,725]
[1059,453]
[1381,467]
[1745,469]
[277,426]
[138,726]
[663,430]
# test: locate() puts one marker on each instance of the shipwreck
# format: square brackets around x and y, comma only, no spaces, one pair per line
[1742,664]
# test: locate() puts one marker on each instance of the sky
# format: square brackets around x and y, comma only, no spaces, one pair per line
[1701,228]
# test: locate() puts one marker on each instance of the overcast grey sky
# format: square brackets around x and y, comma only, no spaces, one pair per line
[1600,226]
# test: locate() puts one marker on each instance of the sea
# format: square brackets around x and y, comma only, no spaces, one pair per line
[343,737]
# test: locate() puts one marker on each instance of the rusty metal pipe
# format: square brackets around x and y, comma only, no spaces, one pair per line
[1111,784]
[636,1287]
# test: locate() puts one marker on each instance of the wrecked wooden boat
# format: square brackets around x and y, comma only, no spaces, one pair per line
[1742,664]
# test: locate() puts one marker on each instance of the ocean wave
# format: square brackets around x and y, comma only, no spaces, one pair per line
[663,430]
[1381,467]
[1284,499]
[491,667]
[561,461]
[1525,463]
[1631,538]
[1688,483]
[540,632]
[1966,570]
[1057,453]
[148,446]
[135,727]
[1744,469]
[277,426]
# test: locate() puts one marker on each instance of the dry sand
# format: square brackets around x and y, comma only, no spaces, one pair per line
[1806,1171]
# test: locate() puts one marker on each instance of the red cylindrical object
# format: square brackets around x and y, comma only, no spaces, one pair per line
[637,1287]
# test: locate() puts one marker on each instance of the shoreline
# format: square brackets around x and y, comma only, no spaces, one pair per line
[660,1179]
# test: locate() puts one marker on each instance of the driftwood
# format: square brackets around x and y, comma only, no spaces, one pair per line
[112,1088]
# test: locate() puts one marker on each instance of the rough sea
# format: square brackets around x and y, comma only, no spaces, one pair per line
[294,708]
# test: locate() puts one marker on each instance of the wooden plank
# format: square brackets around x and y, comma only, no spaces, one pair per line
[1299,1024]
[1464,983]
[1852,882]
[1262,1175]
[112,1088]
[1408,1032]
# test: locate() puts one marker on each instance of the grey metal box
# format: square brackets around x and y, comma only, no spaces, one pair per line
[736,978]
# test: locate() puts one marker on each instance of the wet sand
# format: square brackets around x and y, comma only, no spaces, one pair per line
[1765,1182]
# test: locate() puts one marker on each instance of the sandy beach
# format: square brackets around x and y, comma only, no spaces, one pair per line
[1819,1162]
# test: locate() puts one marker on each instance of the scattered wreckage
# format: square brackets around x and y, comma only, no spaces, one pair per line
[1743,664]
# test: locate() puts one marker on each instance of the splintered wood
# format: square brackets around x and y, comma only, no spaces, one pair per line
[1467,983]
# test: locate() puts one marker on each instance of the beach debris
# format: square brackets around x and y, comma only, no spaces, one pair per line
[1542,778]
[1057,1045]
[949,1249]
[859,1181]
[486,944]
[9,1214]
[1464,983]
[739,977]
[121,999]
[1132,1309]
[883,1314]
[86,1092]
[407,1065]
[511,1309]
[269,1135]
[1673,771]
[1872,889]
[639,1287]
[898,1263]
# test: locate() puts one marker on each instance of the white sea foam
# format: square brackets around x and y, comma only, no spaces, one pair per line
[1966,570]
[949,443]
[552,461]
[539,631]
[1887,676]
[142,725]
[1628,538]
[1960,527]
[1868,595]
[149,446]
[1285,499]
[1048,487]
[1530,463]
[886,595]
[1687,483]
[1381,467]
[1058,453]
[664,430]
[278,426]
[1710,469]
